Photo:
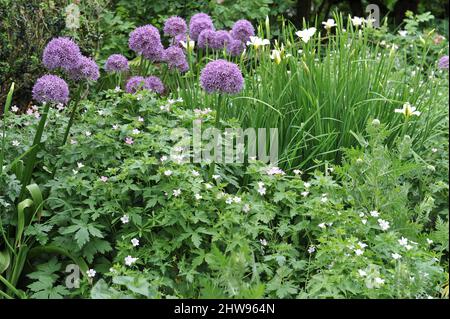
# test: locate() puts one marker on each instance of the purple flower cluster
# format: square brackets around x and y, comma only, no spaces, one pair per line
[220,40]
[443,62]
[116,63]
[84,69]
[198,23]
[61,53]
[137,83]
[205,38]
[242,30]
[175,58]
[235,47]
[154,84]
[175,26]
[221,76]
[146,41]
[51,89]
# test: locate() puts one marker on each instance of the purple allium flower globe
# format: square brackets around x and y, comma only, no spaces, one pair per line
[146,41]
[242,30]
[61,53]
[205,37]
[138,83]
[134,84]
[85,69]
[235,47]
[222,77]
[443,62]
[175,26]
[51,89]
[154,84]
[175,58]
[116,63]
[219,40]
[198,23]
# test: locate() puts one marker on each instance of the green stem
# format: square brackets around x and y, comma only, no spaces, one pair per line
[72,116]
[10,287]
[31,159]
[5,124]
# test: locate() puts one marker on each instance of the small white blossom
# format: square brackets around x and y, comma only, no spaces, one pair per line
[216,177]
[130,260]
[374,213]
[306,34]
[322,225]
[403,241]
[307,185]
[80,165]
[91,273]
[304,194]
[88,133]
[429,241]
[198,196]
[168,172]
[396,256]
[362,273]
[176,192]
[379,281]
[311,249]
[135,242]
[15,143]
[14,109]
[384,225]
[136,131]
[125,219]
[263,242]
[195,173]
[359,252]
[297,172]
[246,208]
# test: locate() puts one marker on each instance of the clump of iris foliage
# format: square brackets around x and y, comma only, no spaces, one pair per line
[357,206]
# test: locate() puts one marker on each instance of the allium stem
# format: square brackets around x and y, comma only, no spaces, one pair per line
[72,115]
[31,158]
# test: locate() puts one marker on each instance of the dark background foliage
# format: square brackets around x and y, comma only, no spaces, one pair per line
[27,25]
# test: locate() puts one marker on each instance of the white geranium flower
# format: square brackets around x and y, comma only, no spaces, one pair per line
[384,225]
[135,242]
[198,196]
[263,242]
[396,256]
[176,192]
[306,34]
[246,208]
[304,194]
[14,109]
[195,173]
[307,185]
[15,143]
[403,241]
[429,241]
[379,281]
[130,260]
[125,219]
[403,33]
[311,249]
[359,252]
[168,172]
[322,225]
[80,165]
[91,273]
[362,273]
[374,213]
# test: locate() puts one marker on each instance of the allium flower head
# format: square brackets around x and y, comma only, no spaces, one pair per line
[205,38]
[220,40]
[51,89]
[134,84]
[116,63]
[85,69]
[443,62]
[61,53]
[235,47]
[175,26]
[222,76]
[154,84]
[200,16]
[175,58]
[146,41]
[242,30]
[198,24]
